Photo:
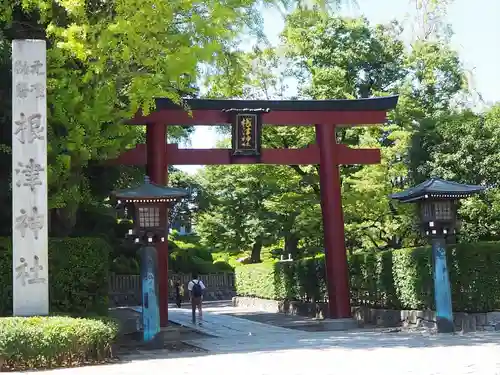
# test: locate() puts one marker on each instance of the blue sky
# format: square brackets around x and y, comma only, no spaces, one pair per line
[476,30]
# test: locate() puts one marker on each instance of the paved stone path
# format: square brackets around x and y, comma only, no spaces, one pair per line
[244,347]
[223,326]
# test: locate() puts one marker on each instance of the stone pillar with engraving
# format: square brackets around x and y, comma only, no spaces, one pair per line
[29,179]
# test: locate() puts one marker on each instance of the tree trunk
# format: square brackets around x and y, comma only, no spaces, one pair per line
[291,245]
[256,249]
[63,221]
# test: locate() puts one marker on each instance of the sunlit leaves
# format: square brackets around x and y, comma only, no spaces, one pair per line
[343,57]
[106,59]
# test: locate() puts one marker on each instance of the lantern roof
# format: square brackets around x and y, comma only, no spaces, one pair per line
[150,191]
[437,188]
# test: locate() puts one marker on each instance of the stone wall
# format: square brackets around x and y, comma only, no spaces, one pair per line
[316,310]
[465,322]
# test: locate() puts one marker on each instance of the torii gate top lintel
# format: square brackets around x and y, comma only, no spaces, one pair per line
[275,112]
[256,113]
[366,104]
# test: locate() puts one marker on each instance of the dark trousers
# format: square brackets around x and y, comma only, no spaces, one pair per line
[195,303]
[178,298]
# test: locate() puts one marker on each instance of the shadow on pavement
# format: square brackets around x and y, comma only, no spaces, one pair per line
[359,340]
[302,334]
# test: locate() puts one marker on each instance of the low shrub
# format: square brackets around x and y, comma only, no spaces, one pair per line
[123,265]
[54,341]
[200,252]
[201,266]
[78,274]
[258,280]
[301,280]
[187,255]
[181,262]
[399,279]
[222,266]
[191,245]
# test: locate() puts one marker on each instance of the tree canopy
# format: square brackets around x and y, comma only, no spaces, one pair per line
[105,61]
[108,59]
[341,57]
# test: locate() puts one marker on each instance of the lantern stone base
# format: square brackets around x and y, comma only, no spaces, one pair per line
[130,323]
[129,320]
[367,316]
[171,334]
[444,325]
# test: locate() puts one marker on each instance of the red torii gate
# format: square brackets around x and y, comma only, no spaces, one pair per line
[247,118]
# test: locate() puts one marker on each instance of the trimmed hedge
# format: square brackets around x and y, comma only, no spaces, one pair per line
[54,341]
[222,266]
[257,280]
[399,279]
[78,275]
[187,255]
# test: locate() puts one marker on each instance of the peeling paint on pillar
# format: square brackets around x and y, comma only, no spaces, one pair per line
[442,288]
[157,171]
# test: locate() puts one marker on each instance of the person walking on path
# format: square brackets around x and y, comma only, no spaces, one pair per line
[178,293]
[196,288]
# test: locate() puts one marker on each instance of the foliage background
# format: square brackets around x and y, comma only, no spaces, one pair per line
[101,71]
[397,279]
[78,275]
[264,212]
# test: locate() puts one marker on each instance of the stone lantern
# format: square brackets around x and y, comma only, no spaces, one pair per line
[438,201]
[146,207]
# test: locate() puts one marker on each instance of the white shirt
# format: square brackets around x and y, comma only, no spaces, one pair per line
[191,284]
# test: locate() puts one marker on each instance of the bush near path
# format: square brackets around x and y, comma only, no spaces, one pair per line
[395,279]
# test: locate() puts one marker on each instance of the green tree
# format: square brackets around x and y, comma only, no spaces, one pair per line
[330,57]
[334,57]
[108,59]
[348,58]
[296,213]
[236,217]
[466,151]
[186,210]
[338,58]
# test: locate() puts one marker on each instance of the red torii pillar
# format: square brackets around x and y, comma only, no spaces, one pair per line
[336,267]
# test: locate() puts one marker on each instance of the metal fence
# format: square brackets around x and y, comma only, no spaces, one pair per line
[125,290]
